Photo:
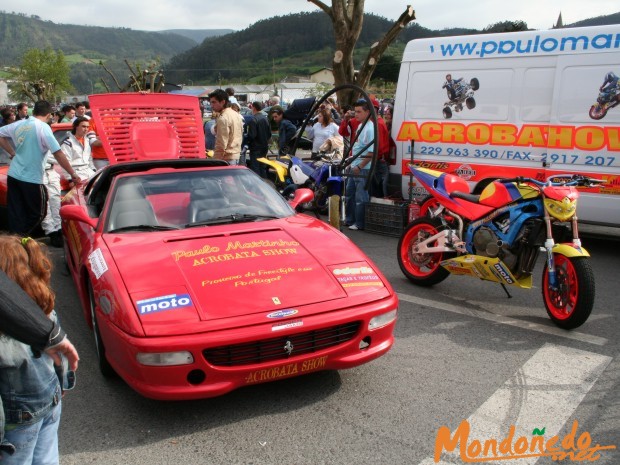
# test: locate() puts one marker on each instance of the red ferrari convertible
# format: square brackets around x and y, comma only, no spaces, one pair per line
[197,277]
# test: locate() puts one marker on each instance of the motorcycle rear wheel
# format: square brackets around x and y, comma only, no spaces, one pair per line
[571,304]
[422,269]
[597,111]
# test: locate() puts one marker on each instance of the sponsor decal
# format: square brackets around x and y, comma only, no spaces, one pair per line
[362,276]
[590,138]
[289,369]
[571,447]
[98,264]
[503,273]
[163,303]
[466,172]
[287,325]
[283,313]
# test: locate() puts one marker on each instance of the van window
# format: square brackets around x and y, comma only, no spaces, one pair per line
[537,95]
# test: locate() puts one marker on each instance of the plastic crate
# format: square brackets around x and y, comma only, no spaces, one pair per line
[389,220]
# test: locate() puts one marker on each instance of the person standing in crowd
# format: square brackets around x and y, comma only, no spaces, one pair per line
[29,386]
[259,135]
[286,129]
[76,148]
[8,116]
[22,111]
[68,112]
[51,223]
[379,184]
[231,96]
[80,110]
[323,129]
[100,158]
[228,128]
[363,148]
[209,128]
[26,194]
[330,104]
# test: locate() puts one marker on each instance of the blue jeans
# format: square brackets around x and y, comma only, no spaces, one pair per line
[35,443]
[357,198]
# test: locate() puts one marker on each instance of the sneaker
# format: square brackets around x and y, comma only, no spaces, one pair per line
[354,228]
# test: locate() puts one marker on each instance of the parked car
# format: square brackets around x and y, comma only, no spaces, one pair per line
[198,278]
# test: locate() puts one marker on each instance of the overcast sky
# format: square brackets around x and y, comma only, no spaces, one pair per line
[238,14]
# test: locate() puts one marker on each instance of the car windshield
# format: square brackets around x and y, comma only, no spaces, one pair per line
[192,198]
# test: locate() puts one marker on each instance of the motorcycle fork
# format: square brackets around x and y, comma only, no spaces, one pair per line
[549,243]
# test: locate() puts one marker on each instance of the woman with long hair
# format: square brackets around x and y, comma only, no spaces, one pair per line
[29,386]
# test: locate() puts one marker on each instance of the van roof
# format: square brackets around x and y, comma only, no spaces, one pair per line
[594,39]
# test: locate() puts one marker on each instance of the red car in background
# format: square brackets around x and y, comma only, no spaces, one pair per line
[61,131]
[197,277]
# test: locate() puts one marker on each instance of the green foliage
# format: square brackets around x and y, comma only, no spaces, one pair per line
[42,74]
[506,26]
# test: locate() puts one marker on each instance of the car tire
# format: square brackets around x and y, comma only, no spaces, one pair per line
[104,366]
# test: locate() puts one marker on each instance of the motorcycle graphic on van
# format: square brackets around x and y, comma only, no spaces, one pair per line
[459,93]
[608,97]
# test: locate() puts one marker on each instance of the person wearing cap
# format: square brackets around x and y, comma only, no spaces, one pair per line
[26,194]
[259,134]
[363,147]
[286,129]
[228,128]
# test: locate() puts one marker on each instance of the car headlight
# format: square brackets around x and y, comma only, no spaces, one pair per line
[380,321]
[160,359]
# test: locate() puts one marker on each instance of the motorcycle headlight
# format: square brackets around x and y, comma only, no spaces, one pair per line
[562,210]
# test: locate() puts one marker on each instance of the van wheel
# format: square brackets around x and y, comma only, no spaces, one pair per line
[447,113]
[474,83]
[470,102]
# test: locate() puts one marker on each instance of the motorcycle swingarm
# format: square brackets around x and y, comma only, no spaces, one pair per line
[445,243]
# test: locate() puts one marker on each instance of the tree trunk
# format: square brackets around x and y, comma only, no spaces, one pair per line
[347,18]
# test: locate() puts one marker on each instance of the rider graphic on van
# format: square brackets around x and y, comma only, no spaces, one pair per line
[459,92]
[608,97]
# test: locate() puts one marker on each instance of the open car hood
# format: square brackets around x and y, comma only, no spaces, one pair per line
[135,127]
[221,276]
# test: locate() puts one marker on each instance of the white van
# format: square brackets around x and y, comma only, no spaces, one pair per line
[514,104]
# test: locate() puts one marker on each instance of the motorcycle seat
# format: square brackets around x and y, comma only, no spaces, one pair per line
[473,198]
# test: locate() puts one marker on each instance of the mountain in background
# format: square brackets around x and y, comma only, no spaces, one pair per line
[85,46]
[198,35]
[269,50]
[300,44]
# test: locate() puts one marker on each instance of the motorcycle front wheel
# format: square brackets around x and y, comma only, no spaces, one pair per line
[597,111]
[423,269]
[570,305]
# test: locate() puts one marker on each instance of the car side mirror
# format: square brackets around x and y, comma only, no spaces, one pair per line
[77,213]
[302,196]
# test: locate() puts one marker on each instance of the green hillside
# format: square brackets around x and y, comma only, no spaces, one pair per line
[85,46]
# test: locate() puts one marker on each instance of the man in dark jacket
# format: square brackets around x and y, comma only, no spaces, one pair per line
[286,129]
[259,135]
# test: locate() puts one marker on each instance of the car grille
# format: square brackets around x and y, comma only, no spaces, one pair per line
[269,350]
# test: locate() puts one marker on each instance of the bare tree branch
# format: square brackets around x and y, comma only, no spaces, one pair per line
[111,75]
